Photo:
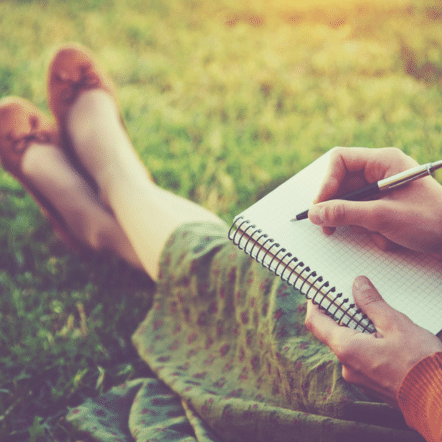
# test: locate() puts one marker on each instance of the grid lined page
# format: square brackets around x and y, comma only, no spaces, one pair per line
[410,282]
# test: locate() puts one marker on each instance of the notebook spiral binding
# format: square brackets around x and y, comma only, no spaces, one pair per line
[257,244]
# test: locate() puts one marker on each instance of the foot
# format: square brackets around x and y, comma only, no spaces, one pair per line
[83,101]
[101,142]
[48,168]
[22,126]
[72,71]
[30,152]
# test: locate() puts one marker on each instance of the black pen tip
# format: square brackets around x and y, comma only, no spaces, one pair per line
[300,216]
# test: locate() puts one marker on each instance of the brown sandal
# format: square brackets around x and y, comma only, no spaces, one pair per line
[22,123]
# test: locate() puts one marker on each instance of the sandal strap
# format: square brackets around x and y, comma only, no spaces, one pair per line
[88,80]
[20,144]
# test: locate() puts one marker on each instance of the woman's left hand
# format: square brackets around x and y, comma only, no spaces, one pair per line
[375,362]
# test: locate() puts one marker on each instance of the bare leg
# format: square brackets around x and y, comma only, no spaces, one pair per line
[49,170]
[147,213]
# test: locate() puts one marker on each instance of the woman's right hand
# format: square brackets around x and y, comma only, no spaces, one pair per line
[410,216]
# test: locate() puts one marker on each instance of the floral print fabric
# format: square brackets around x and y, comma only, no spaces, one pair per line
[234,361]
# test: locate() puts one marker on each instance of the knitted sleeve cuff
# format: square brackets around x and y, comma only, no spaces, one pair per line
[420,397]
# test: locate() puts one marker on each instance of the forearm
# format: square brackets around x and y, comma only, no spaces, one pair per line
[420,397]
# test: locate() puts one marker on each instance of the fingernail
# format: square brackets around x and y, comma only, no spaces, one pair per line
[362,283]
[316,214]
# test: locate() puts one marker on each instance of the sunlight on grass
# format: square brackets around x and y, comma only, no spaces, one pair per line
[324,4]
[223,101]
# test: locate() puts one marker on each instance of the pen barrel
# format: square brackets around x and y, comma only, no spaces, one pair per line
[360,194]
[357,195]
[386,184]
[404,177]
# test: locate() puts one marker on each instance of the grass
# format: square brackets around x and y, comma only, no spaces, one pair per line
[223,101]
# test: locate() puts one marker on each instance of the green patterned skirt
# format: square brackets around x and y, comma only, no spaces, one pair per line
[234,361]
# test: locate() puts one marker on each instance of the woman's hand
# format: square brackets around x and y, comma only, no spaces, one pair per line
[410,216]
[379,362]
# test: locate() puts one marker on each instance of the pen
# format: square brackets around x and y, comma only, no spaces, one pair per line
[386,184]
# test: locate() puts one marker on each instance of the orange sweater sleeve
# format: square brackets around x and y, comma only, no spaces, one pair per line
[420,397]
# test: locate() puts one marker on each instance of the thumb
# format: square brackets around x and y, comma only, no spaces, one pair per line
[336,213]
[369,300]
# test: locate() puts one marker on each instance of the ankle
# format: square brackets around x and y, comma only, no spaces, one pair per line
[102,144]
[41,165]
[95,129]
[122,173]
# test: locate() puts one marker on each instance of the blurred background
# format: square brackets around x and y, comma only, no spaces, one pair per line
[223,101]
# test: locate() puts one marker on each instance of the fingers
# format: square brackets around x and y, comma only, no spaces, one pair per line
[342,161]
[374,164]
[337,213]
[354,350]
[383,243]
[378,216]
[325,328]
[369,300]
[378,362]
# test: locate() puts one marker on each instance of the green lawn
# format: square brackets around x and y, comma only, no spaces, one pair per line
[223,101]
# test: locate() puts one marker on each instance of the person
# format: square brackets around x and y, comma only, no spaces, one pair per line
[231,344]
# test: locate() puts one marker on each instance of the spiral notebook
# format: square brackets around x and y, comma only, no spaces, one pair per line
[323,267]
